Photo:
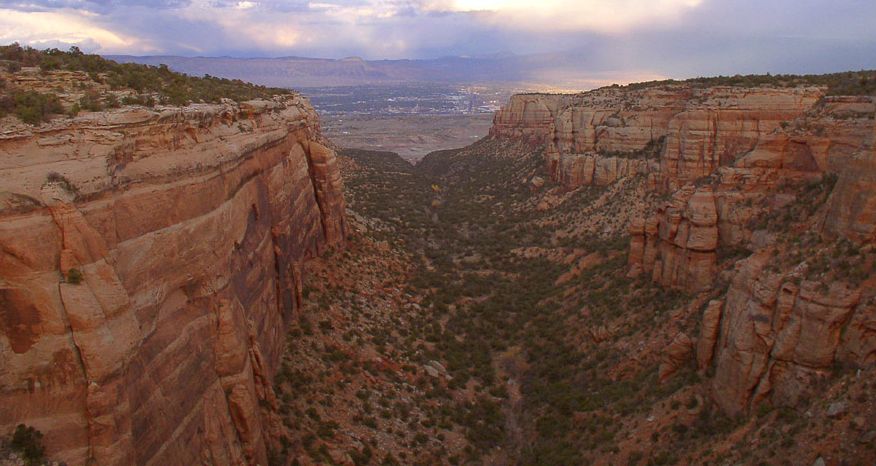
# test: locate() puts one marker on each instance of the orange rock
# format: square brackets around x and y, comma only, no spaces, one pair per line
[852,206]
[776,338]
[704,128]
[678,246]
[709,329]
[675,356]
[189,226]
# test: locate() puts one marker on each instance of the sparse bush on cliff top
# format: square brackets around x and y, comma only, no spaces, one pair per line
[171,87]
[74,276]
[29,106]
[28,442]
[846,83]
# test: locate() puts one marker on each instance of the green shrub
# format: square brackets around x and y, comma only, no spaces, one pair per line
[28,442]
[171,87]
[91,102]
[33,107]
[57,178]
[74,276]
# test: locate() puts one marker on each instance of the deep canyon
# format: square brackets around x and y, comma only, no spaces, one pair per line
[665,273]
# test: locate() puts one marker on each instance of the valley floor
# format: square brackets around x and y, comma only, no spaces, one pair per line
[410,136]
[476,318]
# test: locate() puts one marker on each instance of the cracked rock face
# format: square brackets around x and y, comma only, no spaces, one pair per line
[149,260]
[726,155]
[777,338]
[716,150]
[701,129]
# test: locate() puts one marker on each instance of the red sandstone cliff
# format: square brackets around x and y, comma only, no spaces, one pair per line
[188,227]
[742,169]
[737,144]
[595,132]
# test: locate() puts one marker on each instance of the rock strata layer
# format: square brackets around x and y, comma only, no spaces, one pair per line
[723,160]
[149,260]
[700,129]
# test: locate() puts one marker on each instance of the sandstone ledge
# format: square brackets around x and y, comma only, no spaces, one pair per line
[189,226]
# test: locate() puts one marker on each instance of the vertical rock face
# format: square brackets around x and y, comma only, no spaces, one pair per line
[703,128]
[592,169]
[852,210]
[780,333]
[675,135]
[678,246]
[728,157]
[720,124]
[528,116]
[148,263]
[736,144]
[777,337]
[709,331]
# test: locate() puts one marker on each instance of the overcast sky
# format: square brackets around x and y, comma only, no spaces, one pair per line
[678,38]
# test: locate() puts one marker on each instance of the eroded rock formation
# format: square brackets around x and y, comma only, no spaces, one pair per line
[737,144]
[722,161]
[149,260]
[778,337]
[678,246]
[701,128]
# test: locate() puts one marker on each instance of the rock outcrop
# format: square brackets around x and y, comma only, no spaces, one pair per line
[803,152]
[726,164]
[781,332]
[701,129]
[777,337]
[709,331]
[678,246]
[149,260]
[675,356]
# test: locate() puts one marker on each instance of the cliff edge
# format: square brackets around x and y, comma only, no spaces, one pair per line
[150,259]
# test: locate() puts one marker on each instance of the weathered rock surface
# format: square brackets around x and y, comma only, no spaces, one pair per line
[188,227]
[677,246]
[728,158]
[710,326]
[574,170]
[703,128]
[675,355]
[777,338]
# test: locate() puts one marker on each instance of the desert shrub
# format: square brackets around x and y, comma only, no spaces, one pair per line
[57,178]
[91,101]
[33,107]
[74,276]
[173,88]
[28,442]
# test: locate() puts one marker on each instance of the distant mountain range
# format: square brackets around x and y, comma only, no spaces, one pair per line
[560,70]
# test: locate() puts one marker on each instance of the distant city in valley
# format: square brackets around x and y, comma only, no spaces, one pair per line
[409,119]
[410,107]
[408,99]
[543,72]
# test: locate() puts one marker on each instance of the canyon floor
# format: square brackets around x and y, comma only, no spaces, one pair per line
[467,323]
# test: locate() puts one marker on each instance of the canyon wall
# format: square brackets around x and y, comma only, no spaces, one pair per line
[731,146]
[737,171]
[699,128]
[149,260]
